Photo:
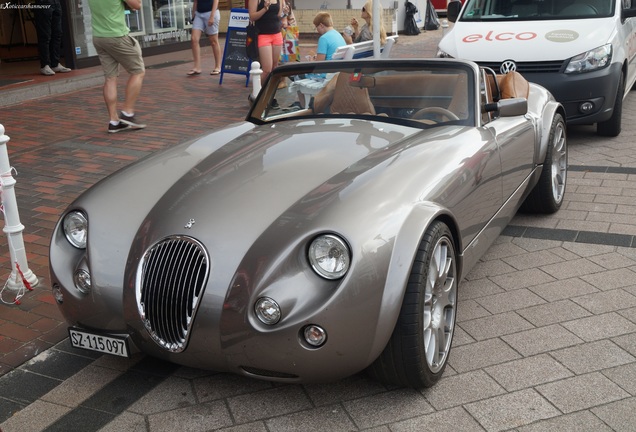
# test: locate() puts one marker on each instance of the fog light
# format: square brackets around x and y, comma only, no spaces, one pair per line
[315,335]
[267,310]
[586,107]
[57,294]
[82,279]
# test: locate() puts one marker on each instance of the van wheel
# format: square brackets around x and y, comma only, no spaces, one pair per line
[612,127]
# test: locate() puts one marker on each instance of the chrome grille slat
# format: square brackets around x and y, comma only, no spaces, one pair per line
[170,281]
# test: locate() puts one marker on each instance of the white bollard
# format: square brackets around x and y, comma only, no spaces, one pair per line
[20,272]
[256,73]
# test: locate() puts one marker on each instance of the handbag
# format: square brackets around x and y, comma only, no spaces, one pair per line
[251,42]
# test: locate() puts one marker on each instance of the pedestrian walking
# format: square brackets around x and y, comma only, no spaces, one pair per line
[116,47]
[47,15]
[205,19]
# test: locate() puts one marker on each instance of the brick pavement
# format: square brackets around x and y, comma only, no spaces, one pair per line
[546,334]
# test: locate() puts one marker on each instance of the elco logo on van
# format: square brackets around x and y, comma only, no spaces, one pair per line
[504,36]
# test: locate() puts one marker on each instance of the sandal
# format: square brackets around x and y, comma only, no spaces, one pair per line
[193,72]
[215,72]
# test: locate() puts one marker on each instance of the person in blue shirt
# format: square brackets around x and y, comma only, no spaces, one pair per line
[330,39]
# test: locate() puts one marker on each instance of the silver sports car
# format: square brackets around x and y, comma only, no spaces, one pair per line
[325,235]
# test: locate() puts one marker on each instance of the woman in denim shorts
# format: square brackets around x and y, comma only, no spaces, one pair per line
[205,18]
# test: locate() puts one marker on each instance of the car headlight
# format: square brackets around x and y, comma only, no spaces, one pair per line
[329,256]
[76,229]
[591,60]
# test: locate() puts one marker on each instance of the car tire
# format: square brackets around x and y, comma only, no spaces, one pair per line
[612,126]
[547,195]
[417,352]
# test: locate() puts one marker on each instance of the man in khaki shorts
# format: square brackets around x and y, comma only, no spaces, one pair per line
[115,47]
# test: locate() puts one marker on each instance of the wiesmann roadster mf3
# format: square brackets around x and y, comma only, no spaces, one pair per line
[325,235]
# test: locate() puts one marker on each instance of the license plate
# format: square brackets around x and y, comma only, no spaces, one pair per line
[115,345]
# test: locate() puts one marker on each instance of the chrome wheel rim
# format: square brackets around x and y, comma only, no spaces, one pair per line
[559,163]
[440,301]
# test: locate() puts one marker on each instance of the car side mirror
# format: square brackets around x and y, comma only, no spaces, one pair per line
[452,11]
[508,107]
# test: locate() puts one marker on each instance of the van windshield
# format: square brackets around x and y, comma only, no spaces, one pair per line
[528,10]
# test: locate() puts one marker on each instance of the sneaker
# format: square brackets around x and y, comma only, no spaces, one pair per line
[275,104]
[118,127]
[130,121]
[46,70]
[60,68]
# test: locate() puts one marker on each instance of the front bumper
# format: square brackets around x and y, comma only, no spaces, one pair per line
[573,90]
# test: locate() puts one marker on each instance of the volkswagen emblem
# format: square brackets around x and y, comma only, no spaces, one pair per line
[507,66]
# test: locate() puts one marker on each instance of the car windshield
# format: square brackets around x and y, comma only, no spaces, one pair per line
[422,93]
[507,10]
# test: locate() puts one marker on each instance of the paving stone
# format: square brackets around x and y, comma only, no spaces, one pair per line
[511,410]
[542,339]
[618,415]
[563,289]
[495,325]
[451,420]
[471,289]
[624,376]
[462,388]
[197,418]
[522,279]
[268,403]
[532,259]
[606,301]
[128,422]
[470,309]
[35,417]
[528,372]
[387,408]
[608,280]
[76,389]
[220,386]
[353,387]
[553,313]
[510,301]
[570,269]
[323,419]
[582,392]
[585,358]
[480,354]
[583,421]
[600,327]
[613,260]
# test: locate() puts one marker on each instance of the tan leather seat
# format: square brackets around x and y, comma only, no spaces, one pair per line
[513,85]
[339,97]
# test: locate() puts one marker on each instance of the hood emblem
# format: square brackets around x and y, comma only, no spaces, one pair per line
[507,66]
[190,223]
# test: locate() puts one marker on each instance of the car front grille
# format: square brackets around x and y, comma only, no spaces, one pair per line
[528,67]
[170,281]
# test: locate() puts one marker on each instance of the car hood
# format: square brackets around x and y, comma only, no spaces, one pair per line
[227,195]
[526,40]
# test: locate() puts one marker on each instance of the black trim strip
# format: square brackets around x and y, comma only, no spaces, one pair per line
[591,237]
[603,169]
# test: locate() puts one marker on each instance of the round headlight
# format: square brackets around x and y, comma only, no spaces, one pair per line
[329,256]
[76,229]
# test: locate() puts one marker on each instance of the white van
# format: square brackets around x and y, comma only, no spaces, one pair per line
[583,51]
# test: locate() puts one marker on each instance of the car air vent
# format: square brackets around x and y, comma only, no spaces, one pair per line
[170,281]
[268,373]
[529,67]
